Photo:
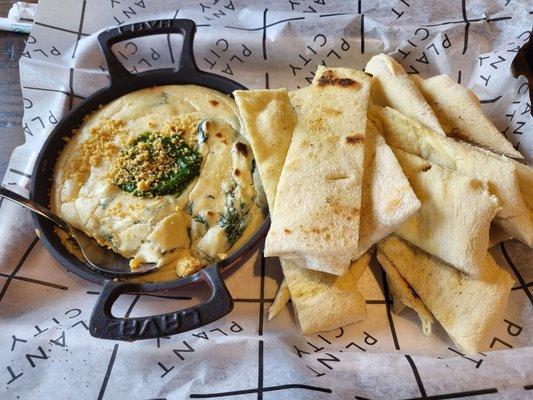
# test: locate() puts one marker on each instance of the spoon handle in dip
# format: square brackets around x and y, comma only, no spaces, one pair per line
[36,208]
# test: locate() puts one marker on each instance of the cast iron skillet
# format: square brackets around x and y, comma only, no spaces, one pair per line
[103,324]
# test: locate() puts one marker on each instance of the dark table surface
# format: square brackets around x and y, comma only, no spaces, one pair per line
[11,48]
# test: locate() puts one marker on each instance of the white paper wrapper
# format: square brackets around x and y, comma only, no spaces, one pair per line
[45,348]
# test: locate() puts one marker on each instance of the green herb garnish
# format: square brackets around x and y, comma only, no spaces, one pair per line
[156,165]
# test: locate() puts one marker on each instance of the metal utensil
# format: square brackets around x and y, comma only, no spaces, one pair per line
[98,257]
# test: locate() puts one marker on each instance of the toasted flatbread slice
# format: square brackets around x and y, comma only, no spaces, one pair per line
[499,171]
[323,302]
[269,121]
[314,316]
[282,298]
[315,219]
[460,114]
[465,306]
[387,200]
[497,235]
[454,220]
[392,86]
[403,295]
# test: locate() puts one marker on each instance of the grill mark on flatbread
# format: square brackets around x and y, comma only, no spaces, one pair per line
[316,123]
[339,208]
[331,111]
[242,148]
[336,177]
[355,139]
[393,205]
[328,78]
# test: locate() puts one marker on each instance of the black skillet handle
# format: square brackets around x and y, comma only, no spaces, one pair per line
[105,326]
[107,39]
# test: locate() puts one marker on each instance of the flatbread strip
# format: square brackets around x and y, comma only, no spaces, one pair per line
[346,305]
[315,220]
[460,114]
[500,172]
[454,220]
[403,295]
[323,302]
[387,199]
[265,112]
[283,294]
[393,87]
[466,307]
[282,297]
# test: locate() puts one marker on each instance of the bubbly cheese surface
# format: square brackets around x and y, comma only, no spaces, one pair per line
[183,231]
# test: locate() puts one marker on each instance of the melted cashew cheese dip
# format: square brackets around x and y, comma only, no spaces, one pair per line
[162,175]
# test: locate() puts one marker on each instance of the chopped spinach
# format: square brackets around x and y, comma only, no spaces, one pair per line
[188,208]
[201,131]
[203,254]
[164,98]
[234,217]
[202,220]
[108,237]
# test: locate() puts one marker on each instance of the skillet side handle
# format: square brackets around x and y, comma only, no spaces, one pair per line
[105,326]
[117,71]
